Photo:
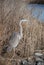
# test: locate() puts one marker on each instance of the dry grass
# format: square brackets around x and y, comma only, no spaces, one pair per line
[33,34]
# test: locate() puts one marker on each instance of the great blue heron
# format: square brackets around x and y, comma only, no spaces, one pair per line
[15,38]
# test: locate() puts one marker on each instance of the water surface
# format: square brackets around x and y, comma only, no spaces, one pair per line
[37,11]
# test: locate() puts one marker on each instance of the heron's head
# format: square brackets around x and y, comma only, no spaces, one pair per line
[24,22]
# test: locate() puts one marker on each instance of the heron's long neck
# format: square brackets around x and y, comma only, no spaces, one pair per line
[21,30]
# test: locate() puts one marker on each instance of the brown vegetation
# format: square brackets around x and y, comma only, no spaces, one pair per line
[11,12]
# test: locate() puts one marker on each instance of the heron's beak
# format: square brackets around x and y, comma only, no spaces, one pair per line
[25,23]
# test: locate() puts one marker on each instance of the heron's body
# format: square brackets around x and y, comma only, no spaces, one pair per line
[14,40]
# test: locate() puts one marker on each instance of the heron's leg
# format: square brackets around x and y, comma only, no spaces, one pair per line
[13,54]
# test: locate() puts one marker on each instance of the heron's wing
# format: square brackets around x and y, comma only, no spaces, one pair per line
[14,40]
[9,49]
[13,36]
